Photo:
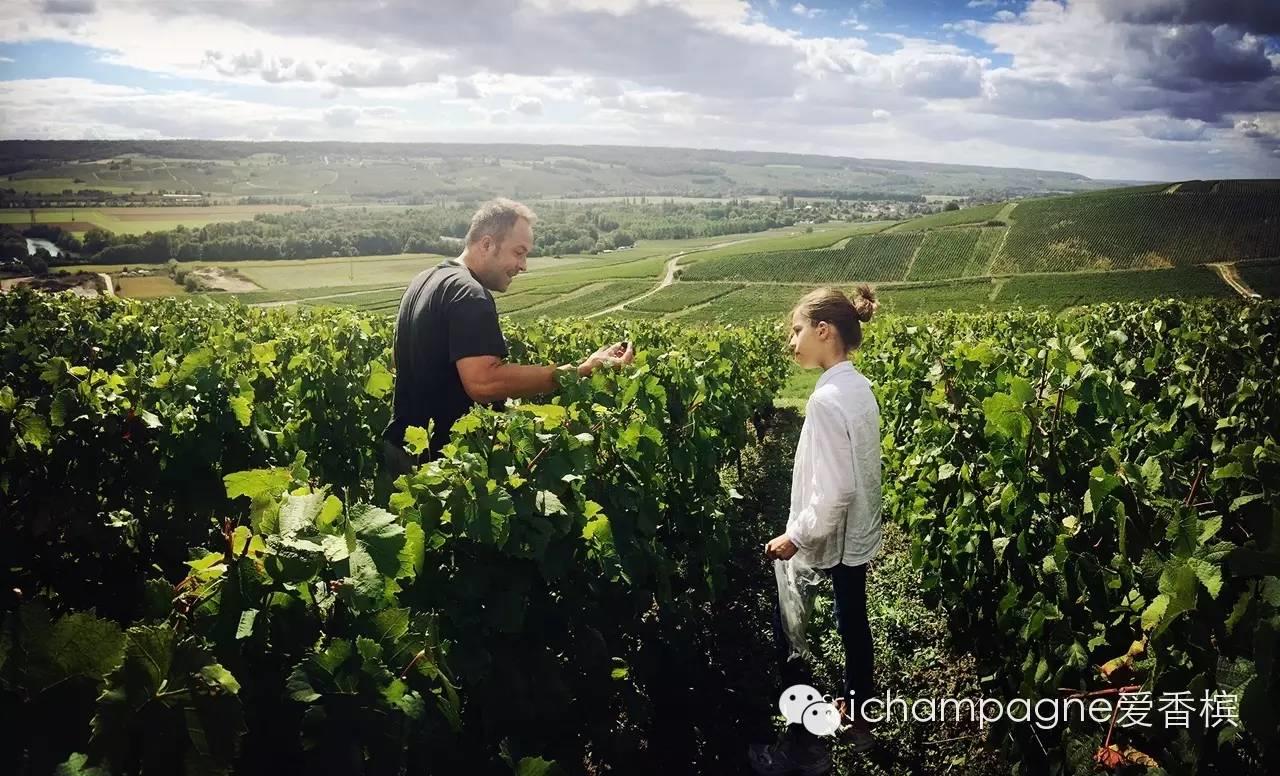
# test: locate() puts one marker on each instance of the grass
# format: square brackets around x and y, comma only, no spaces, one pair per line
[337,274]
[765,299]
[799,386]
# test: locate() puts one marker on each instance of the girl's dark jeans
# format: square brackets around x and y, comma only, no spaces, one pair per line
[850,587]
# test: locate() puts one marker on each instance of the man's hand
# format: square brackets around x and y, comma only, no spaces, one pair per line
[780,547]
[617,354]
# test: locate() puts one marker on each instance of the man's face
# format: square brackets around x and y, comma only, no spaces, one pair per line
[505,260]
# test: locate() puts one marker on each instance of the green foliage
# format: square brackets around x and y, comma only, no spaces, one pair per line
[1075,485]
[512,592]
[104,394]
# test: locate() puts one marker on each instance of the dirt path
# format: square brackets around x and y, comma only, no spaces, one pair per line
[1006,215]
[670,276]
[1231,276]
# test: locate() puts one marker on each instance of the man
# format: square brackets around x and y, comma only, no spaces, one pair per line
[449,350]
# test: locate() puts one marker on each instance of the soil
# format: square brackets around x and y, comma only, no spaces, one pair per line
[219,279]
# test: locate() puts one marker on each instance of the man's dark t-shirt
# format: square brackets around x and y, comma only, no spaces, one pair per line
[445,315]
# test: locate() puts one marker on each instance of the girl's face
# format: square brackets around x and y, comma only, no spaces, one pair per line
[810,341]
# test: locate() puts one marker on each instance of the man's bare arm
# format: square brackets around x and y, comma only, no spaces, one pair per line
[489,378]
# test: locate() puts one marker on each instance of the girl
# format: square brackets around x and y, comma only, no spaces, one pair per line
[834,522]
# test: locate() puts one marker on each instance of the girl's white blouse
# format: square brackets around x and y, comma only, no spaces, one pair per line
[835,483]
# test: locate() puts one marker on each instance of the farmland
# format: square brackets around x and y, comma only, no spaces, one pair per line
[1137,228]
[1142,228]
[872,257]
[994,256]
[940,262]
[137,220]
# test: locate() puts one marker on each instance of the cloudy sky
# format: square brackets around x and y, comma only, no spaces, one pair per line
[1137,89]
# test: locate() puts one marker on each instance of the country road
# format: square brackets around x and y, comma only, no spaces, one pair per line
[1231,276]
[670,277]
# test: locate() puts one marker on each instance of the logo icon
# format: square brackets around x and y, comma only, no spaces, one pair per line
[801,704]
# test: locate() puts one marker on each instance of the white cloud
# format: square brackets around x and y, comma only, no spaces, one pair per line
[341,116]
[1084,84]
[466,89]
[529,106]
[6,59]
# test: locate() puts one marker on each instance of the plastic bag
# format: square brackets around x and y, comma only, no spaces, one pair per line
[796,588]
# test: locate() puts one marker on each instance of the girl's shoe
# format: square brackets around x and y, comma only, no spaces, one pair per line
[854,731]
[795,754]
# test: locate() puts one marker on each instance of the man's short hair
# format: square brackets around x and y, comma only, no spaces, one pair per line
[496,219]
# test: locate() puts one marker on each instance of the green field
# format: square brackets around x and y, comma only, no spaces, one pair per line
[970,215]
[822,236]
[681,296]
[945,253]
[1061,291]
[1054,291]
[1136,229]
[865,257]
[59,185]
[588,299]
[136,220]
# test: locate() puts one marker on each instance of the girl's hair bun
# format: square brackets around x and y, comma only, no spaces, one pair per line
[864,302]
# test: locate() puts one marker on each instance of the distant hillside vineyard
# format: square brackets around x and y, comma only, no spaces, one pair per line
[1148,227]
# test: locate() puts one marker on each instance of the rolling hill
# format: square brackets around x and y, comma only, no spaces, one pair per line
[1141,228]
[330,172]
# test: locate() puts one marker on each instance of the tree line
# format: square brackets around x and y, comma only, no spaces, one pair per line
[562,229]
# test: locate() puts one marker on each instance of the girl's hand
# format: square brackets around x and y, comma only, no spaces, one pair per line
[780,547]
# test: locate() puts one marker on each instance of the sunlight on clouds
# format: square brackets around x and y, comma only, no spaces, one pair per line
[1130,87]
